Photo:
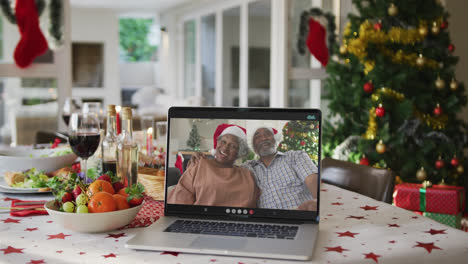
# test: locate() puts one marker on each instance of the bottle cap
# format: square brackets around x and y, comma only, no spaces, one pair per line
[111,110]
[127,113]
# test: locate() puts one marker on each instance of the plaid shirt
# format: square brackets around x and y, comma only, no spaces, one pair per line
[282,183]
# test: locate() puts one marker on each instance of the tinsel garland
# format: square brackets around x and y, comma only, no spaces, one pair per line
[303,29]
[371,131]
[435,122]
[55,14]
[357,44]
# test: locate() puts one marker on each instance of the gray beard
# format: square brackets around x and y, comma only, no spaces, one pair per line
[267,152]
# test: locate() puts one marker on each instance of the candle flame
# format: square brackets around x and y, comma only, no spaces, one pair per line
[117,108]
[150,130]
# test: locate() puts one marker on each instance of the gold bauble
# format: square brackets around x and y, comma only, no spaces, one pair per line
[421,174]
[435,29]
[392,10]
[343,49]
[422,31]
[420,60]
[460,169]
[375,97]
[439,83]
[453,85]
[380,147]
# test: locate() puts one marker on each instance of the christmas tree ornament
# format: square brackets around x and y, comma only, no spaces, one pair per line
[380,147]
[444,24]
[451,47]
[392,10]
[368,87]
[380,111]
[378,26]
[343,49]
[421,174]
[439,164]
[438,110]
[422,30]
[453,85]
[420,61]
[435,29]
[439,83]
[364,161]
[454,162]
[426,184]
[460,169]
[375,97]
[442,182]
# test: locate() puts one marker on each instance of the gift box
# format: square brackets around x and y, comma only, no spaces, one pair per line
[442,199]
[447,219]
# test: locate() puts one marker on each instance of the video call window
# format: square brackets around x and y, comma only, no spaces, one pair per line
[270,164]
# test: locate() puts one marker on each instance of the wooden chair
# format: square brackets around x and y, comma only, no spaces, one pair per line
[369,181]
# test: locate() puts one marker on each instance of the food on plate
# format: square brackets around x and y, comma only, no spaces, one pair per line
[62,172]
[33,178]
[12,177]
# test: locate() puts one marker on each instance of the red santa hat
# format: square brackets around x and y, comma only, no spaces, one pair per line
[276,135]
[225,129]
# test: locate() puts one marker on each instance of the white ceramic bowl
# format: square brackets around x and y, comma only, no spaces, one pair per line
[92,222]
[20,159]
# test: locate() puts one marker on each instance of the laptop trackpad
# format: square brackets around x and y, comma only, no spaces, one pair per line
[219,243]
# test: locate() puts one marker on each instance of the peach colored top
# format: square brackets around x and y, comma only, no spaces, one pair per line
[205,183]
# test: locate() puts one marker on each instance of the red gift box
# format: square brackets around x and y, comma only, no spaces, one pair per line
[440,199]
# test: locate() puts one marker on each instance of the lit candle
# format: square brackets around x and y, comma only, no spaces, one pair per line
[149,141]
[117,118]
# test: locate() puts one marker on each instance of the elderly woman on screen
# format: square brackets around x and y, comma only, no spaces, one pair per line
[217,181]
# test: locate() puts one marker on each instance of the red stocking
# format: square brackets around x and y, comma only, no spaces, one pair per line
[316,42]
[32,42]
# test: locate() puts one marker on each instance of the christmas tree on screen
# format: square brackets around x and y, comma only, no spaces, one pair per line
[301,135]
[394,93]
[194,139]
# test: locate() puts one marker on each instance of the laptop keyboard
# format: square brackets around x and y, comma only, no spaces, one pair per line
[233,229]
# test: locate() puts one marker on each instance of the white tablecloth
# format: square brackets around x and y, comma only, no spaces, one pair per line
[353,229]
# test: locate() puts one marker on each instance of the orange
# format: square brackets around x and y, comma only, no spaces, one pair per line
[121,201]
[100,186]
[102,202]
[122,192]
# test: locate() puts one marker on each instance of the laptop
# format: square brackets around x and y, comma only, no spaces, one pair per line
[252,207]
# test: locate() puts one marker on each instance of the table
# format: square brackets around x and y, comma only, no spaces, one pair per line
[353,229]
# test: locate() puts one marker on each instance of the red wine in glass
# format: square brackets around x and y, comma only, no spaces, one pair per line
[84,144]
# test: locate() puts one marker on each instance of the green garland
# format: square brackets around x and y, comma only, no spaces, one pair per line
[303,29]
[56,11]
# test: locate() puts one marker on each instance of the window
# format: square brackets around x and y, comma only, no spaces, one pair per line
[138,38]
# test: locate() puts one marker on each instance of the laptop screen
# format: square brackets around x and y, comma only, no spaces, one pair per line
[243,162]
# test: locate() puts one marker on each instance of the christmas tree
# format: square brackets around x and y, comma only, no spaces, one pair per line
[194,138]
[394,93]
[301,135]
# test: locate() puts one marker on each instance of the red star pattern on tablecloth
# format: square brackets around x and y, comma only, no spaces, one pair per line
[10,220]
[82,253]
[415,217]
[111,255]
[435,232]
[373,256]
[346,234]
[31,229]
[213,260]
[116,235]
[58,236]
[170,253]
[338,249]
[392,241]
[367,207]
[337,203]
[36,261]
[59,251]
[324,190]
[356,217]
[10,250]
[393,225]
[428,246]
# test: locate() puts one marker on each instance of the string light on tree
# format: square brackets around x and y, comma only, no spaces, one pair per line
[392,10]
[380,111]
[368,87]
[439,83]
[421,174]
[439,164]
[438,110]
[380,147]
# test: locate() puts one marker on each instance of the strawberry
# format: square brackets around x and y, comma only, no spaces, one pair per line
[135,201]
[67,197]
[135,194]
[77,191]
[117,186]
[105,177]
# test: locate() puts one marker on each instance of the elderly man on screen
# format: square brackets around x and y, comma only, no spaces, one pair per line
[287,180]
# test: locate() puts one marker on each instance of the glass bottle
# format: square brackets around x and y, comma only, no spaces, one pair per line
[109,144]
[127,151]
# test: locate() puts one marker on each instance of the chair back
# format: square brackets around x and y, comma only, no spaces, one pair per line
[369,181]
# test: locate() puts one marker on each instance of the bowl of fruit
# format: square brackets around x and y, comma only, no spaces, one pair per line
[95,207]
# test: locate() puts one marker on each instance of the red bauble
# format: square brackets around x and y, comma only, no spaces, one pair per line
[378,26]
[439,164]
[364,161]
[451,47]
[454,161]
[368,87]
[380,111]
[303,143]
[444,25]
[437,111]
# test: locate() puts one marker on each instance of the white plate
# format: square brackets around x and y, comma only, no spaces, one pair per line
[5,188]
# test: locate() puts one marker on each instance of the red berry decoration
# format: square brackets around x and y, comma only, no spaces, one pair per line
[378,26]
[364,161]
[451,47]
[380,111]
[454,161]
[444,25]
[368,87]
[438,110]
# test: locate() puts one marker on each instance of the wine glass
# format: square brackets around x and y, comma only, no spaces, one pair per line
[84,136]
[95,107]
[70,105]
